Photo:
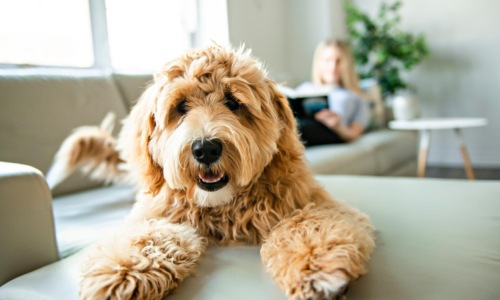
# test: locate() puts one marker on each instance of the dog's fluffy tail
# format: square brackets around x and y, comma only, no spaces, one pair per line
[91,148]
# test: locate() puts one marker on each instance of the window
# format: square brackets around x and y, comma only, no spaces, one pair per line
[50,32]
[144,34]
[119,34]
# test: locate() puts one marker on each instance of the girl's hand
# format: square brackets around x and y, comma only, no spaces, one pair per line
[329,118]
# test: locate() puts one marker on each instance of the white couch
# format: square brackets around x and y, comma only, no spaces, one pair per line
[436,239]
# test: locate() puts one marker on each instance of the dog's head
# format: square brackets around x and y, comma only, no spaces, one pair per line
[209,125]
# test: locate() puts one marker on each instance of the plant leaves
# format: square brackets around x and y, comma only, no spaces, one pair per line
[381,48]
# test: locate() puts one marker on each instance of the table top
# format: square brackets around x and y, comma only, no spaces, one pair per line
[437,123]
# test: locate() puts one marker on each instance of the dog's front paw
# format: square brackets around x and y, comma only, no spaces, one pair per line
[311,255]
[126,275]
[123,284]
[146,262]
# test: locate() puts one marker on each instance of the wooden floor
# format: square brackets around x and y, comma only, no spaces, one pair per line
[459,173]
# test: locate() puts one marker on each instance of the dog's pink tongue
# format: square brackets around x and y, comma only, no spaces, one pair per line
[210,176]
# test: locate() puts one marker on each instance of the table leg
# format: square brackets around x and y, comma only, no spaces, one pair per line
[465,155]
[423,151]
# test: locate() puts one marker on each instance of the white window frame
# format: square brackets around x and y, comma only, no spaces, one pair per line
[100,40]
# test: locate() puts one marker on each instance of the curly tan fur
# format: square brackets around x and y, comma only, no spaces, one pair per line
[144,262]
[93,149]
[312,245]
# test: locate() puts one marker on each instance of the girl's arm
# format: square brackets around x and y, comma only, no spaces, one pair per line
[334,122]
[349,133]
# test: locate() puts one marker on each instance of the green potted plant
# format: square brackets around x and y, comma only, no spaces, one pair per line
[382,50]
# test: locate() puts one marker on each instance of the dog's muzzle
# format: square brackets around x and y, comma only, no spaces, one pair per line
[207,152]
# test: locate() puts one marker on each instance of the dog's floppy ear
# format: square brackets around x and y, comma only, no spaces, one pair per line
[282,107]
[289,143]
[135,138]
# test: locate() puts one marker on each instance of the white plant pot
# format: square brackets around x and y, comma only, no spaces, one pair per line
[405,107]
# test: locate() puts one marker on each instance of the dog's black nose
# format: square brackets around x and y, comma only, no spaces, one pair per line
[207,151]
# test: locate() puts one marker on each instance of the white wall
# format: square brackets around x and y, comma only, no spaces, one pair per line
[310,22]
[284,33]
[461,77]
[262,26]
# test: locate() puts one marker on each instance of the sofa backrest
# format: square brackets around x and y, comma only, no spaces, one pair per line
[38,110]
[132,85]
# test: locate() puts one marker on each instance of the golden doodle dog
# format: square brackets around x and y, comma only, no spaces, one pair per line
[213,147]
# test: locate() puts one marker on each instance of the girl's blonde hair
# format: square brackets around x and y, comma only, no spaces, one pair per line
[349,78]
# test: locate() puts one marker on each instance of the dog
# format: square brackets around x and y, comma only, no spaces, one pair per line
[213,149]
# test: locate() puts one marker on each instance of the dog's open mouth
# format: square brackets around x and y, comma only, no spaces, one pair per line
[211,181]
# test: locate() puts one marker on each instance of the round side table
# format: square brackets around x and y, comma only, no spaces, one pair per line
[425,126]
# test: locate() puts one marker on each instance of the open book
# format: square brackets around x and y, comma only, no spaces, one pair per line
[305,102]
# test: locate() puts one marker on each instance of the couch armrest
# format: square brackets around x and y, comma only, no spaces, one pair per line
[27,236]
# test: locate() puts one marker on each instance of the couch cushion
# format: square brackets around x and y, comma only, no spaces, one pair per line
[239,275]
[84,218]
[436,239]
[352,158]
[40,108]
[390,149]
[132,85]
[375,153]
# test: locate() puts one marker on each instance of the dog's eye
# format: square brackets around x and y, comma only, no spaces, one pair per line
[182,107]
[231,103]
